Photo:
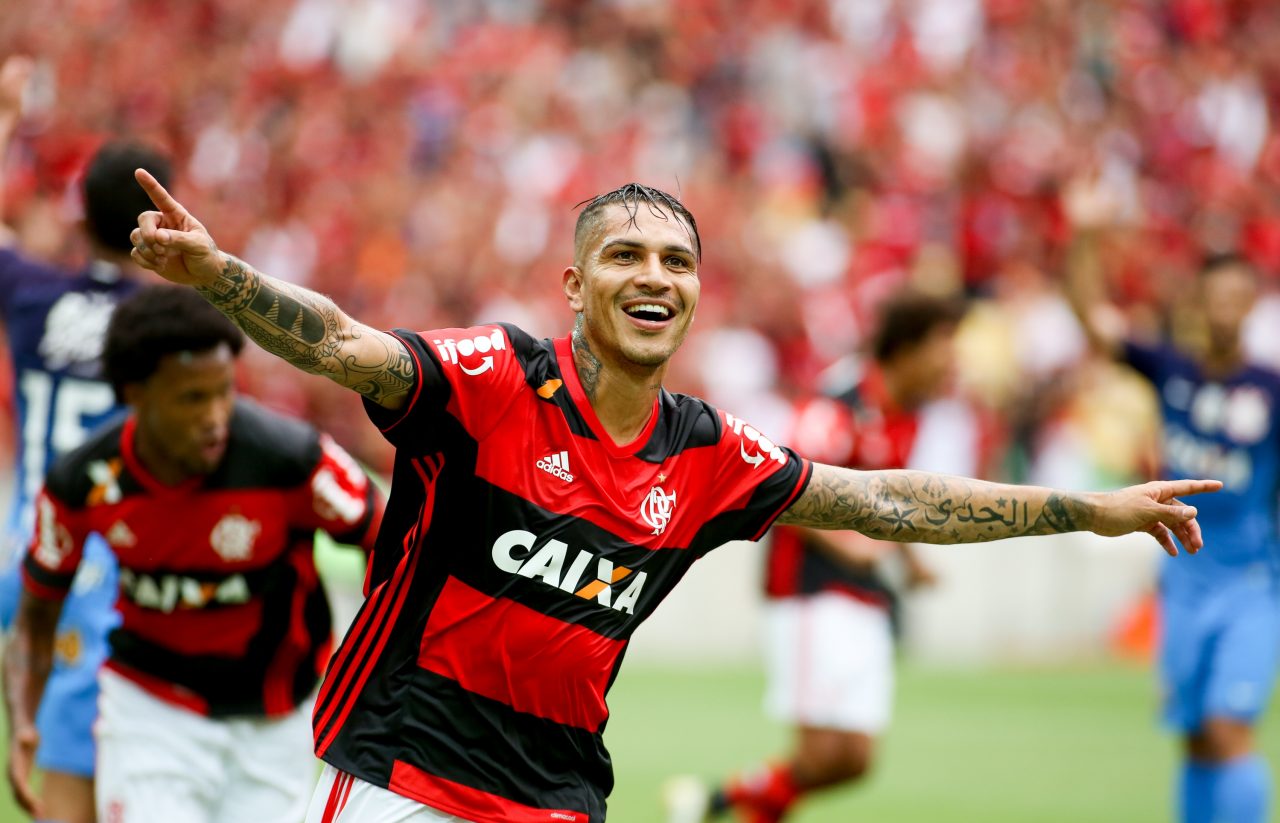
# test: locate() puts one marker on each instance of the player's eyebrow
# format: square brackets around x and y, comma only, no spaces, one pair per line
[612,242]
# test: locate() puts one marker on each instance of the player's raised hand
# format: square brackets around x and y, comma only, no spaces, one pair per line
[1154,508]
[172,243]
[22,758]
[14,74]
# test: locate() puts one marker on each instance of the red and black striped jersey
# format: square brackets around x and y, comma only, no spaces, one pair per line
[861,428]
[221,607]
[520,550]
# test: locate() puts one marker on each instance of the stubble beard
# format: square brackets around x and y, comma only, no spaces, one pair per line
[628,349]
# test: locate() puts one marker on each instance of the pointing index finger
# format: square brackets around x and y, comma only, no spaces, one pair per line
[163,200]
[1179,488]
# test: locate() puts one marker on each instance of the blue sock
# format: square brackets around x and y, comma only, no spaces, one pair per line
[1237,791]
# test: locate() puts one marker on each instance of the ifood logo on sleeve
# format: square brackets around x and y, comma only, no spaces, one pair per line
[471,354]
[754,447]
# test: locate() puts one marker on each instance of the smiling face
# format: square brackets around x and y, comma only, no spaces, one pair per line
[634,285]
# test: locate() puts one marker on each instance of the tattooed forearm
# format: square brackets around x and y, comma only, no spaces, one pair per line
[585,359]
[931,508]
[308,330]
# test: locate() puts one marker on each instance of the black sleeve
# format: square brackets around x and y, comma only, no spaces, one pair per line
[413,427]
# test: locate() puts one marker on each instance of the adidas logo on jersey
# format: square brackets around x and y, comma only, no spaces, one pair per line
[557,465]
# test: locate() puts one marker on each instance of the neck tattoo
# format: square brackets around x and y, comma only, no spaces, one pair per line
[588,364]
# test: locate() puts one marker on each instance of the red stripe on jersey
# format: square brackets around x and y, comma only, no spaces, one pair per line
[277,691]
[225,631]
[535,664]
[786,557]
[380,612]
[508,457]
[163,689]
[417,365]
[471,804]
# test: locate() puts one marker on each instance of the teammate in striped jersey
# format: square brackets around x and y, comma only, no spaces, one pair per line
[211,504]
[472,684]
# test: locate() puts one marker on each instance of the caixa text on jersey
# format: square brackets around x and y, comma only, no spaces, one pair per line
[582,578]
[167,592]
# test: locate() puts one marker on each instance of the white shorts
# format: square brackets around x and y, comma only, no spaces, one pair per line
[158,763]
[341,798]
[829,661]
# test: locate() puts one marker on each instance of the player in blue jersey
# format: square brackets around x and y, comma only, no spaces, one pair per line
[1221,609]
[55,321]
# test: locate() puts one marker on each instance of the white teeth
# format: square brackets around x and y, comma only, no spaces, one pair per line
[649,307]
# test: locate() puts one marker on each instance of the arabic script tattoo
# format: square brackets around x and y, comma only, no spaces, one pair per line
[920,507]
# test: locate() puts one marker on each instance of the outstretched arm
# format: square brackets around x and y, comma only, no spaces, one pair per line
[28,659]
[921,507]
[305,328]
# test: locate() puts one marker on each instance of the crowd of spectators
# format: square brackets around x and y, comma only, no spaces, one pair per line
[419,160]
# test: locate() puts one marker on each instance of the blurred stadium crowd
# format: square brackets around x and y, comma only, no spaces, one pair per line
[420,159]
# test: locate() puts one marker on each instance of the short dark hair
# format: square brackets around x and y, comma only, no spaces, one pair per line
[907,319]
[157,321]
[1218,260]
[112,197]
[631,197]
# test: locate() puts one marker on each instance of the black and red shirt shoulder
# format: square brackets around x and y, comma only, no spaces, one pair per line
[73,482]
[496,385]
[265,450]
[73,477]
[453,367]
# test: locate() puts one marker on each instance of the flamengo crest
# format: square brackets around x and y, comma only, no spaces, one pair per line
[656,509]
[234,536]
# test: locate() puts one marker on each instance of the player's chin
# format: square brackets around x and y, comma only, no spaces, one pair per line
[205,460]
[655,350]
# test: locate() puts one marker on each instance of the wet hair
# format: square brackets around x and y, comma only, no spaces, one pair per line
[157,321]
[633,197]
[112,197]
[1217,261]
[907,319]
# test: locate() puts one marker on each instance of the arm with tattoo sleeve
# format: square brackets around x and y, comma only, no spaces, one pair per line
[310,331]
[305,328]
[921,507]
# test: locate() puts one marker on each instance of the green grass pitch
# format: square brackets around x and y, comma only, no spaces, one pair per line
[1060,745]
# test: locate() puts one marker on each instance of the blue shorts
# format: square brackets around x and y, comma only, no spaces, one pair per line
[1219,651]
[70,704]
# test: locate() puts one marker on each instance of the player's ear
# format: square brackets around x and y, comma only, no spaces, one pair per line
[572,284]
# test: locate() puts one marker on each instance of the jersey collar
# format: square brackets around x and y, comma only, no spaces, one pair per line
[128,451]
[569,373]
